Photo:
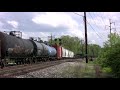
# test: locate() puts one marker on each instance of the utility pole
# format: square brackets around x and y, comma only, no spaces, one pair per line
[82,46]
[111,28]
[85,37]
[110,25]
[51,38]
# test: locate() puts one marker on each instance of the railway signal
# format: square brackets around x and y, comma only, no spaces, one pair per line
[60,41]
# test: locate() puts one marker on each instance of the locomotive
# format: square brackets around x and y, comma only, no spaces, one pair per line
[20,51]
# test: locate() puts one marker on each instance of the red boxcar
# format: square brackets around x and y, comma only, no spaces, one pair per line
[59,51]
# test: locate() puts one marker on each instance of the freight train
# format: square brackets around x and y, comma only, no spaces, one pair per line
[22,51]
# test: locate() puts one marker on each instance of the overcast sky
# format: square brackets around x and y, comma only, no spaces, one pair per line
[42,24]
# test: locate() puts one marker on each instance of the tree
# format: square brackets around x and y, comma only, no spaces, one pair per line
[77,45]
[93,50]
[110,54]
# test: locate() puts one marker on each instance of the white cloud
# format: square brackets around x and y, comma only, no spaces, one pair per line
[55,19]
[42,35]
[1,24]
[98,22]
[59,19]
[93,41]
[76,32]
[64,19]
[45,23]
[101,19]
[13,23]
[92,36]
[2,14]
[111,15]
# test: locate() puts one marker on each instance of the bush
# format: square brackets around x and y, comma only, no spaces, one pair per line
[111,58]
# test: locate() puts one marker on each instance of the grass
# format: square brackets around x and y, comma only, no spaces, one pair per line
[83,70]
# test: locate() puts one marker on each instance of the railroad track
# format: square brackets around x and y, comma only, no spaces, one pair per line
[11,71]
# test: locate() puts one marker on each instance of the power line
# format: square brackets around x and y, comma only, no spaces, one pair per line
[94,30]
[101,19]
[95,22]
[110,25]
[89,24]
[111,29]
[82,21]
[78,14]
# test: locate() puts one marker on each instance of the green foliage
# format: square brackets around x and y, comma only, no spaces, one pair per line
[106,70]
[93,50]
[110,54]
[80,70]
[71,43]
[77,45]
[83,70]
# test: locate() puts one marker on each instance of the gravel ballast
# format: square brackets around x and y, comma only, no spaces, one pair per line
[51,72]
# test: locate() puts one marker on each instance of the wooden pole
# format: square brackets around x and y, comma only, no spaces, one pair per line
[85,37]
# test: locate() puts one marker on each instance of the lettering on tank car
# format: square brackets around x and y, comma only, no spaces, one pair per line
[28,51]
[17,49]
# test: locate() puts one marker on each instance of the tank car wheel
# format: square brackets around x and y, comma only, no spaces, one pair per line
[16,62]
[19,62]
[34,61]
[2,64]
[44,60]
[31,61]
[28,61]
[23,62]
